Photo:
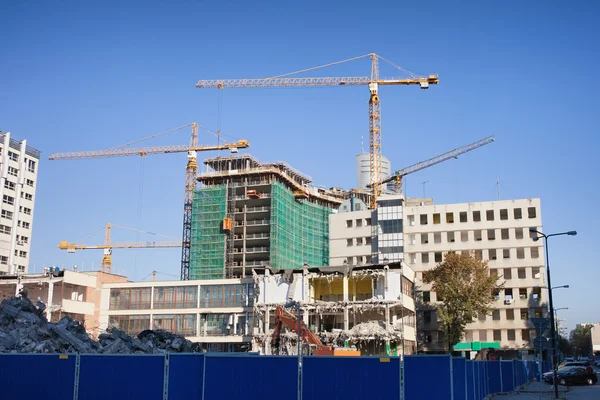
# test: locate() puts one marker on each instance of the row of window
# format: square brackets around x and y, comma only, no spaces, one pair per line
[358,223]
[490,215]
[510,294]
[11,185]
[169,297]
[6,199]
[492,254]
[15,157]
[20,253]
[497,336]
[465,236]
[359,260]
[358,241]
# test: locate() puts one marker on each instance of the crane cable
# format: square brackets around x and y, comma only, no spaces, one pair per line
[139,214]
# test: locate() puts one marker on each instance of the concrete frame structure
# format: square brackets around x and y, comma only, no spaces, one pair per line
[595,333]
[370,307]
[18,181]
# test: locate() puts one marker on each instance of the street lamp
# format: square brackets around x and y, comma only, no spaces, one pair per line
[560,287]
[552,327]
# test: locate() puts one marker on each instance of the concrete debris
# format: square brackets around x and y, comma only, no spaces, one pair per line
[24,329]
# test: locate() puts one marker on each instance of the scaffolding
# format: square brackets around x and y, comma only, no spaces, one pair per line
[299,230]
[207,253]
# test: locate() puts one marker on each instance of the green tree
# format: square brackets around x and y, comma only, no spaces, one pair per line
[581,340]
[467,289]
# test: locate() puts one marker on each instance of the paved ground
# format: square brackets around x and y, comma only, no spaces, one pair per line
[532,392]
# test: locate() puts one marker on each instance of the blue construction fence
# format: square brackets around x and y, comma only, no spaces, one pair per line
[217,376]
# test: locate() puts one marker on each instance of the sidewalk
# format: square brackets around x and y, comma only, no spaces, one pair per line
[532,392]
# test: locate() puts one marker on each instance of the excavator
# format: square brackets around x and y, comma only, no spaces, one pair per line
[283,316]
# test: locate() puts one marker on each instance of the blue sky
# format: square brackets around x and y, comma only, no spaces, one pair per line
[92,75]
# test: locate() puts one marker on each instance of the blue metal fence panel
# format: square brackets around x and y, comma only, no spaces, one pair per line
[37,376]
[480,379]
[508,375]
[137,376]
[186,376]
[335,378]
[417,381]
[486,378]
[229,376]
[470,370]
[459,378]
[495,385]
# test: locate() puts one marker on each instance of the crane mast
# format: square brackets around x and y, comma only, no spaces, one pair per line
[191,171]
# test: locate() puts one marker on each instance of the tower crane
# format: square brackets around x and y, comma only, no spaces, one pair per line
[190,180]
[372,82]
[398,175]
[108,246]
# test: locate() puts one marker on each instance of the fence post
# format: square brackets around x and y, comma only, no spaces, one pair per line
[451,379]
[166,378]
[76,383]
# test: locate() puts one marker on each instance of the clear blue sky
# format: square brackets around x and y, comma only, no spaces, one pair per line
[91,75]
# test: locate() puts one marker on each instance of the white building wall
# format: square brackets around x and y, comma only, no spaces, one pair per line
[350,236]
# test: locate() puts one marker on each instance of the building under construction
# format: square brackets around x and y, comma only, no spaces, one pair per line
[248,215]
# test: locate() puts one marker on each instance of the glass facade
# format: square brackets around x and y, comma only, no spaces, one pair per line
[212,296]
[130,299]
[182,324]
[176,297]
[130,324]
[216,324]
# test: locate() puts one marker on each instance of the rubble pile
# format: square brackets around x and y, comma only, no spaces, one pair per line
[24,329]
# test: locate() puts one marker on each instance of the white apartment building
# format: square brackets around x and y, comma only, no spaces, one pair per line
[497,231]
[18,180]
[216,312]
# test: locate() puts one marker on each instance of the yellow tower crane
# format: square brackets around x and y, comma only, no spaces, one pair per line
[373,82]
[191,172]
[108,246]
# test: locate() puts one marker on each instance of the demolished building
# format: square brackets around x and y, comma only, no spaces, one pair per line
[370,307]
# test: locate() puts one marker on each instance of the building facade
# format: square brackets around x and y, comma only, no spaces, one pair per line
[18,181]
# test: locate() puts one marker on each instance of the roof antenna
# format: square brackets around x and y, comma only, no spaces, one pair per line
[498,187]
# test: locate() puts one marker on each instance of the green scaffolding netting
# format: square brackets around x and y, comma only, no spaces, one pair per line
[299,231]
[207,245]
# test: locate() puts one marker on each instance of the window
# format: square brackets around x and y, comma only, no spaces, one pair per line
[369,259]
[13,171]
[13,156]
[9,185]
[496,293]
[492,254]
[477,235]
[504,214]
[497,335]
[524,313]
[359,222]
[27,210]
[426,297]
[427,317]
[536,293]
[130,324]
[530,212]
[518,233]
[3,260]
[436,218]
[5,229]
[483,335]
[476,216]
[21,268]
[7,214]
[31,166]
[508,294]
[26,196]
[532,235]
[438,256]
[25,224]
[411,220]
[463,216]
[423,219]
[517,213]
[22,239]
[491,233]
[348,242]
[535,272]
[520,253]
[348,223]
[511,334]
[494,273]
[450,237]
[391,226]
[481,316]
[523,293]
[505,234]
[507,273]
[425,258]
[535,252]
[359,241]
[428,336]
[29,182]
[506,253]
[510,314]
[538,313]
[525,334]
[368,240]
[489,215]
[479,254]
[240,295]
[181,324]
[20,253]
[437,237]
[464,236]
[449,218]
[522,273]
[424,238]
[8,200]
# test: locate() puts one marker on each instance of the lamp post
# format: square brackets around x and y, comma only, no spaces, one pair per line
[556,312]
[552,330]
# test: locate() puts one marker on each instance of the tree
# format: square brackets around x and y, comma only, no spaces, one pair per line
[581,340]
[466,288]
[564,346]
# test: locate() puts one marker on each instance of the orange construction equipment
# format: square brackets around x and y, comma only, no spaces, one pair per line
[253,194]
[227,224]
[283,316]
